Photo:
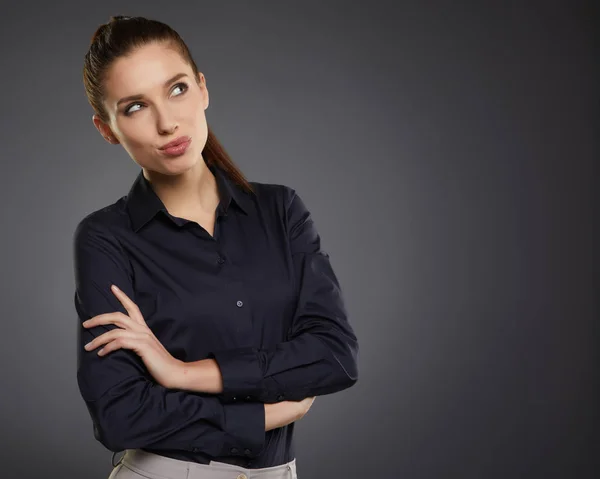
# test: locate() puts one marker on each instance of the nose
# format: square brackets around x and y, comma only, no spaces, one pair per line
[166,122]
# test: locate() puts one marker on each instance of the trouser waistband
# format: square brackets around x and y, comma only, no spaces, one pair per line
[162,467]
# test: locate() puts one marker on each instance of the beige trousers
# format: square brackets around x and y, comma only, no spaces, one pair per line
[138,464]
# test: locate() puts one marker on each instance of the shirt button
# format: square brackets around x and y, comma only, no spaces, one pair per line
[248,398]
[280,397]
[195,449]
[247,452]
[221,260]
[239,304]
[234,450]
[234,398]
[242,476]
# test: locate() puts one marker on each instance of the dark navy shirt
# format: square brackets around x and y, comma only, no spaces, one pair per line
[260,297]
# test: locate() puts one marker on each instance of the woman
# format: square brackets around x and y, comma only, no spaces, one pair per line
[210,316]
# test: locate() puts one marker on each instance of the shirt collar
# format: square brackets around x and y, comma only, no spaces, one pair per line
[143,203]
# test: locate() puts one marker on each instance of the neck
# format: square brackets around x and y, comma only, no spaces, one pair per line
[189,194]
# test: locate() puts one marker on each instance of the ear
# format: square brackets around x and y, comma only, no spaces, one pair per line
[104,130]
[202,85]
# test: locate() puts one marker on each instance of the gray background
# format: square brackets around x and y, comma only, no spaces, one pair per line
[445,150]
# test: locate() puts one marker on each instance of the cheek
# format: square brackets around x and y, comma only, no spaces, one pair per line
[198,122]
[194,113]
[138,135]
[201,121]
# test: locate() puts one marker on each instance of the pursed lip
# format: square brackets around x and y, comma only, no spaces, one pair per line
[175,142]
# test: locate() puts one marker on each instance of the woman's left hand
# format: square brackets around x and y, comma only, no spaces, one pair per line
[133,333]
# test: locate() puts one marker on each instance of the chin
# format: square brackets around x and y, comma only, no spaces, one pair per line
[176,166]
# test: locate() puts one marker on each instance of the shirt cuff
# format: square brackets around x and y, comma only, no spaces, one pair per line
[245,427]
[241,373]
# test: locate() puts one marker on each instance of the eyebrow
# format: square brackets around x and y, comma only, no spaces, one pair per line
[139,97]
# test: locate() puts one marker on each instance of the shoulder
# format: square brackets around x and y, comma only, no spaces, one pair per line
[282,202]
[103,222]
[98,242]
[273,194]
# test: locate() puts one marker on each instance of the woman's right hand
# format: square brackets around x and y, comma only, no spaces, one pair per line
[286,412]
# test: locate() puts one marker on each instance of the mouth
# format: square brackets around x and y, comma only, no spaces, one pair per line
[176,147]
[175,142]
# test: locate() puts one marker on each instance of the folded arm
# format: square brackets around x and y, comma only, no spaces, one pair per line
[128,408]
[321,353]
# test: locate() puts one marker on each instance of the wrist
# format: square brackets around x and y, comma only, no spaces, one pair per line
[281,414]
[178,375]
[199,376]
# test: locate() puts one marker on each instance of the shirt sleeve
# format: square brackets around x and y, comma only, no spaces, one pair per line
[128,408]
[320,355]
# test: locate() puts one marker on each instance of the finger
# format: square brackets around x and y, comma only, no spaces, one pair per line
[117,318]
[127,302]
[103,339]
[122,342]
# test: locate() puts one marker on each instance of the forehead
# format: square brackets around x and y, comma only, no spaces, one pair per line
[143,71]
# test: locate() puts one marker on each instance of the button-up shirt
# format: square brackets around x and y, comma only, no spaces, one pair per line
[259,296]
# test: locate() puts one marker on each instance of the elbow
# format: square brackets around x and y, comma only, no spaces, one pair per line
[117,406]
[349,377]
[340,378]
[114,434]
[104,435]
[343,381]
[346,367]
[114,417]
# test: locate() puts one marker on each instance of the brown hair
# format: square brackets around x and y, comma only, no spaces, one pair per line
[120,37]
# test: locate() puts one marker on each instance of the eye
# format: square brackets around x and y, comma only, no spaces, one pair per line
[128,111]
[182,86]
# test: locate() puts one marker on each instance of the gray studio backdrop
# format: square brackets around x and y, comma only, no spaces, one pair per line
[445,150]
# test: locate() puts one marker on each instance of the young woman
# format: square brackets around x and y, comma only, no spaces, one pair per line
[210,317]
